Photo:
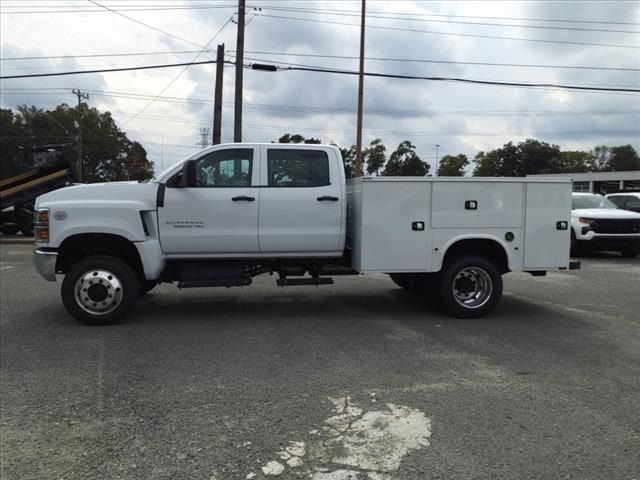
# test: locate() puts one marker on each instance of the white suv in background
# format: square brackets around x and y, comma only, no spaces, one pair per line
[598,224]
[626,200]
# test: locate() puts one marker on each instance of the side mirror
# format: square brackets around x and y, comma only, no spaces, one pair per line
[189,174]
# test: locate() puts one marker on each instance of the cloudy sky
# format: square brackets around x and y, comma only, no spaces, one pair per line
[442,39]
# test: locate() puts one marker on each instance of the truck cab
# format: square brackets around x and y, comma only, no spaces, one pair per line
[254,201]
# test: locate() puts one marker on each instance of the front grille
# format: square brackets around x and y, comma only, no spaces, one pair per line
[615,225]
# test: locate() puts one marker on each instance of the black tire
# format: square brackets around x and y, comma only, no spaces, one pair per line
[629,252]
[470,287]
[575,249]
[147,286]
[408,282]
[25,221]
[10,229]
[111,278]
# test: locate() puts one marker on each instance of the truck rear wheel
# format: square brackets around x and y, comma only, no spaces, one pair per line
[99,290]
[470,287]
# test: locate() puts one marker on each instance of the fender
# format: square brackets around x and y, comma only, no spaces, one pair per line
[437,259]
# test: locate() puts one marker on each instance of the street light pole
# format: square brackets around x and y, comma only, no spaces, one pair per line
[360,89]
[436,172]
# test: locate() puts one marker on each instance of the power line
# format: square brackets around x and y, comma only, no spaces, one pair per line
[107,70]
[146,25]
[94,55]
[414,14]
[493,37]
[72,9]
[446,62]
[343,72]
[442,133]
[261,61]
[181,72]
[429,20]
[335,110]
[345,57]
[451,79]
[148,7]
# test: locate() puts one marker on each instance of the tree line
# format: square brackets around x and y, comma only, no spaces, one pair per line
[511,160]
[107,154]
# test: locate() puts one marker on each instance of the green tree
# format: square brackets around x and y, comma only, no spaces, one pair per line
[297,138]
[528,157]
[624,158]
[12,145]
[375,156]
[574,162]
[452,166]
[349,161]
[537,157]
[108,155]
[404,161]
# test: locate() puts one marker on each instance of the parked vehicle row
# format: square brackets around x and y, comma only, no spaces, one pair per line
[597,223]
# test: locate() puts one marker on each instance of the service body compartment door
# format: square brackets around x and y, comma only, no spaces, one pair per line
[547,225]
[392,233]
[302,204]
[480,204]
[220,214]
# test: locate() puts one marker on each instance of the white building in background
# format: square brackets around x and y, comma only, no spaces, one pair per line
[601,182]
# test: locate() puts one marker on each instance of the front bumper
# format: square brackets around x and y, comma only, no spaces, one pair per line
[45,262]
[604,242]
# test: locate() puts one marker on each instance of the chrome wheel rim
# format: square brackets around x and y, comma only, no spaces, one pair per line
[472,287]
[98,292]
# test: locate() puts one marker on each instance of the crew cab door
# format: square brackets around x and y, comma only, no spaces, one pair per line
[219,214]
[302,202]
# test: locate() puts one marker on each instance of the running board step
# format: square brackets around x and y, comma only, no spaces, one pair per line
[228,282]
[292,282]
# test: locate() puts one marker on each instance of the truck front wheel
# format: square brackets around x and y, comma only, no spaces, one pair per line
[470,287]
[99,290]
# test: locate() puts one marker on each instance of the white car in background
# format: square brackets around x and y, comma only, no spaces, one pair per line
[626,200]
[598,224]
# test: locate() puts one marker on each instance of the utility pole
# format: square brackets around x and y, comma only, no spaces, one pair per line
[217,101]
[80,96]
[436,172]
[237,120]
[360,89]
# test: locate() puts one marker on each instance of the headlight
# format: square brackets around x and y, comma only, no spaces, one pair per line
[41,225]
[585,220]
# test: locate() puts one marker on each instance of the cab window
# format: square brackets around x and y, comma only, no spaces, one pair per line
[297,168]
[225,168]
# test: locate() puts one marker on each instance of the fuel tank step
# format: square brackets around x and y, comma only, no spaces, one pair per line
[292,282]
[225,282]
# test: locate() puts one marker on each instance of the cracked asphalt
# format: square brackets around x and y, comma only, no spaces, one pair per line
[213,383]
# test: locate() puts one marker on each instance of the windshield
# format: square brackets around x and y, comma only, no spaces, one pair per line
[591,201]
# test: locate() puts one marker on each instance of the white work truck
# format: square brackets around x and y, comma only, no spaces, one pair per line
[234,211]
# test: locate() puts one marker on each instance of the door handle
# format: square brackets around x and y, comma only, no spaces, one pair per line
[243,198]
[327,198]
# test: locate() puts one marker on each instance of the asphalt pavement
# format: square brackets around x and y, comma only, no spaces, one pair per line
[355,381]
